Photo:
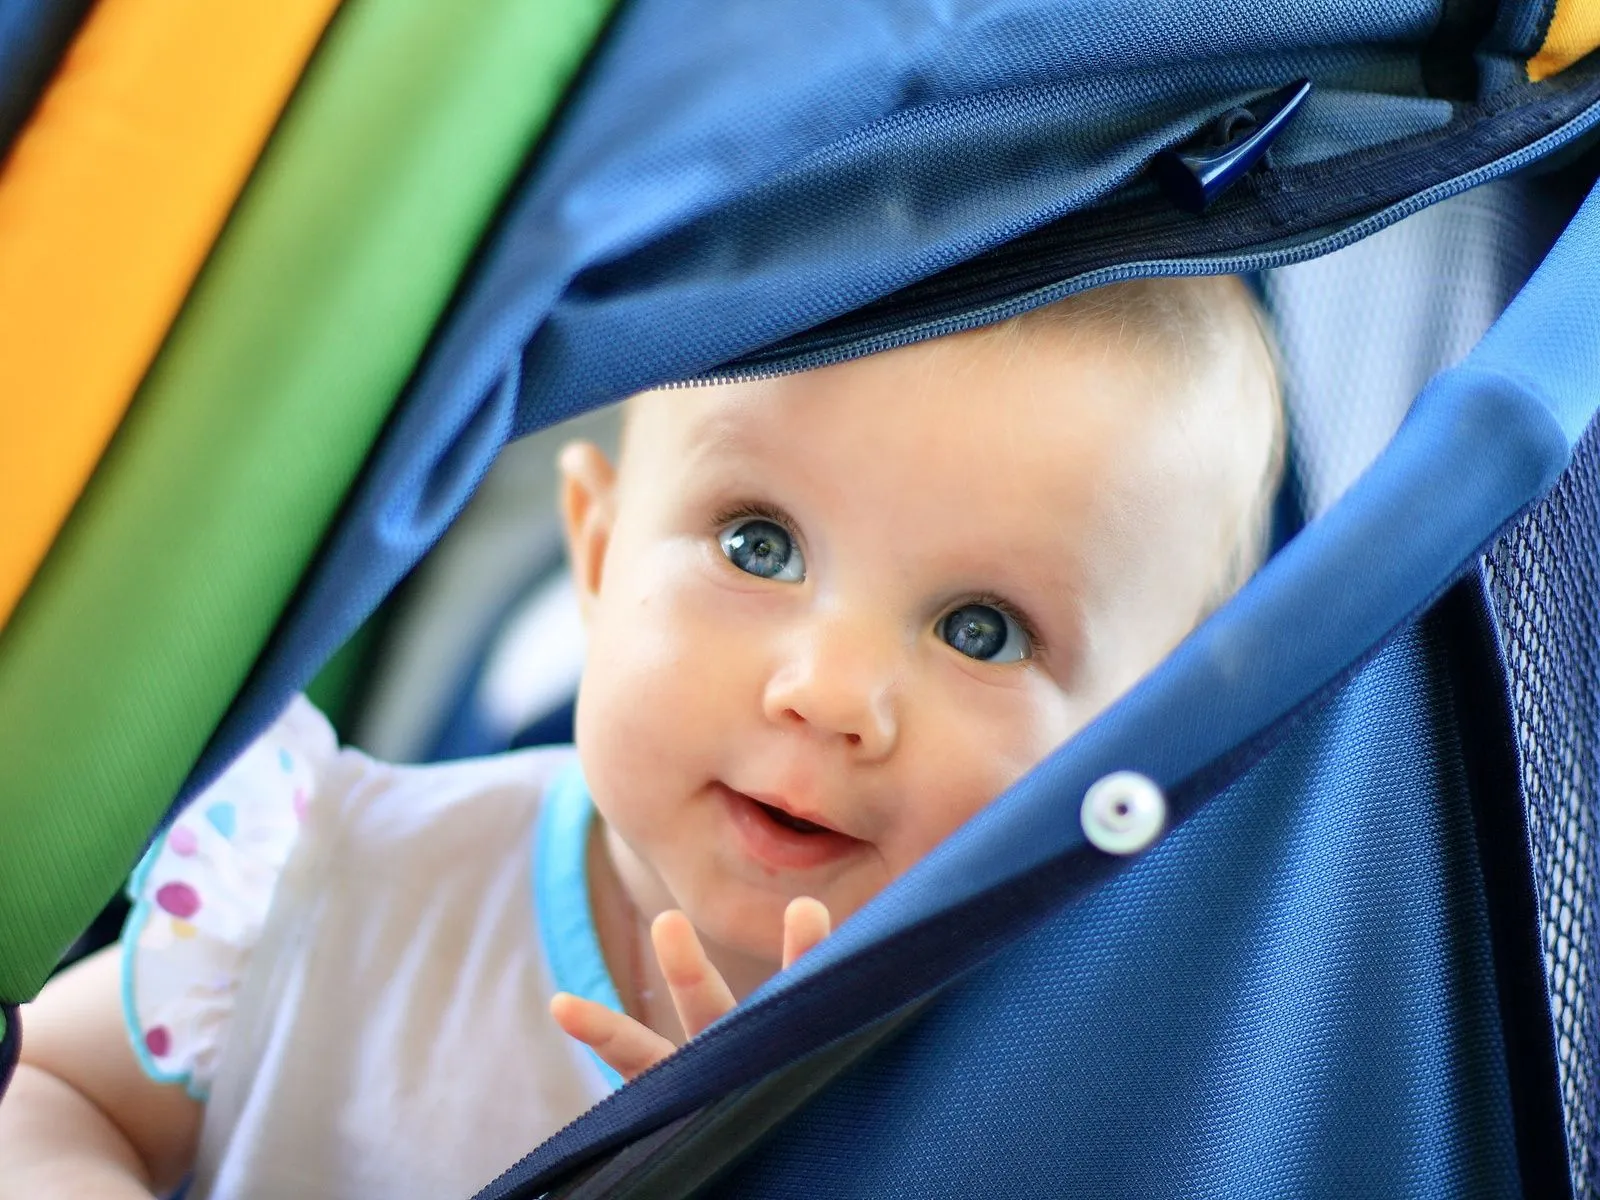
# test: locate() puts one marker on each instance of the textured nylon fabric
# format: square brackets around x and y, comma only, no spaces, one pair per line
[1292,996]
[165,106]
[733,175]
[1545,579]
[410,125]
[33,36]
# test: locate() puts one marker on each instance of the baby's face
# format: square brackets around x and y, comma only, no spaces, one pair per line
[832,615]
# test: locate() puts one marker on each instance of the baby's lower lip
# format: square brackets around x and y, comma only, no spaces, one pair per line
[774,844]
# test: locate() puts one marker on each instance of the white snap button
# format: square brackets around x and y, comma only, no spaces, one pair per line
[1123,812]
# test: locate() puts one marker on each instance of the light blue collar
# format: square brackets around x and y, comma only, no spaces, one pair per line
[561,897]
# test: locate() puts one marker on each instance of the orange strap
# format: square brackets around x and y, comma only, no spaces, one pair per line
[1574,32]
[110,201]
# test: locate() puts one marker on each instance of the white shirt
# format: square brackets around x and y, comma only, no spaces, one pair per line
[353,962]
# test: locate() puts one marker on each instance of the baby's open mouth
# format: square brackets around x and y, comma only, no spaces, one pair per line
[788,821]
[779,839]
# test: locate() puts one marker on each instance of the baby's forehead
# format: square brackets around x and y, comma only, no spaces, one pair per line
[1120,369]
[902,399]
[965,423]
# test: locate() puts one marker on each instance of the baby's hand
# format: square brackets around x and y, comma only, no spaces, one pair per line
[698,991]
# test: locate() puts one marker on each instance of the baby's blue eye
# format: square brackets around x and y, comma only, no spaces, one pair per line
[983,632]
[763,548]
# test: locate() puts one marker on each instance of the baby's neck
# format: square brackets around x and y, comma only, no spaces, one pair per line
[622,923]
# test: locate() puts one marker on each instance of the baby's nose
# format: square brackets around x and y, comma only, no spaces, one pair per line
[838,681]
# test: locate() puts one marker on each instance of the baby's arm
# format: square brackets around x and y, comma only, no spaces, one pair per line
[81,1119]
[698,992]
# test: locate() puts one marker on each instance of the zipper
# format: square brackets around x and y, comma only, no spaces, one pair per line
[1018,276]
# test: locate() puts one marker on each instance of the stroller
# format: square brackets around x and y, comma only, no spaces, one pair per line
[1361,960]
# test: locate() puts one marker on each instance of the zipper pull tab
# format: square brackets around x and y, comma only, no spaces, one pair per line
[1195,174]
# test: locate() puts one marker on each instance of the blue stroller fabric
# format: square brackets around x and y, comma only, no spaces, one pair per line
[1327,980]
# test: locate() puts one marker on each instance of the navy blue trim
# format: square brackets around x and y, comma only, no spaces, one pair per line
[1486,723]
[10,1044]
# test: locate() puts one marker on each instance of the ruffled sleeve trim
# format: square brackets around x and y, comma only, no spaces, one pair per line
[201,894]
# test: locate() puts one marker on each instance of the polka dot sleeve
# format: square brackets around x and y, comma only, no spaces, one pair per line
[200,897]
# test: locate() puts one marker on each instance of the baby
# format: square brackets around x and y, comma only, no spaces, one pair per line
[830,616]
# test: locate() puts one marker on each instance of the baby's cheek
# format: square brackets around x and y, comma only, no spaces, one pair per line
[650,677]
[945,800]
[627,710]
[984,752]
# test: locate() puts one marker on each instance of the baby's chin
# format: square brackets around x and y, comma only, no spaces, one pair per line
[752,930]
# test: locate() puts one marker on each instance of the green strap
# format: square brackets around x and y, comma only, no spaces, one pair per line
[407,130]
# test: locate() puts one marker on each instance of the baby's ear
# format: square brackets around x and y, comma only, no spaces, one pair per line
[588,509]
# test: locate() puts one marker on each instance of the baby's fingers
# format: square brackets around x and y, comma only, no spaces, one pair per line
[624,1044]
[698,991]
[805,923]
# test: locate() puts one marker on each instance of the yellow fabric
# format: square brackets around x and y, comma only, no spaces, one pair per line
[1574,31]
[110,201]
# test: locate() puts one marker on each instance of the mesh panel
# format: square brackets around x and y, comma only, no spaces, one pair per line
[1544,575]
